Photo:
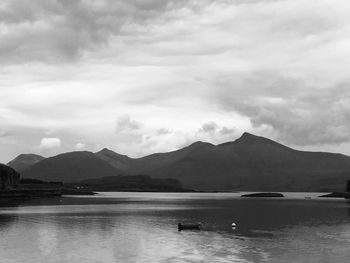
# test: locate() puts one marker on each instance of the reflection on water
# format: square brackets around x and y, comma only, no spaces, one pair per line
[142,227]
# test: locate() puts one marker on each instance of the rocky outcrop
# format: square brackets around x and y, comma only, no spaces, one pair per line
[9,178]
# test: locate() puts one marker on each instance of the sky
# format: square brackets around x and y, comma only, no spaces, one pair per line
[145,76]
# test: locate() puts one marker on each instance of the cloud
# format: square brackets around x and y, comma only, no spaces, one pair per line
[50,143]
[302,116]
[215,133]
[209,127]
[80,146]
[55,31]
[125,123]
[163,131]
[227,131]
[203,70]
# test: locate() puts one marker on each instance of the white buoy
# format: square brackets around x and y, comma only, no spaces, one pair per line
[233,225]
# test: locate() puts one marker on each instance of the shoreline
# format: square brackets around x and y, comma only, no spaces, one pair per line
[41,193]
[47,193]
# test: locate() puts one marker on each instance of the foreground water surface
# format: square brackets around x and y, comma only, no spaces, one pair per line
[142,227]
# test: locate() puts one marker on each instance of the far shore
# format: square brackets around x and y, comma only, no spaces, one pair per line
[59,192]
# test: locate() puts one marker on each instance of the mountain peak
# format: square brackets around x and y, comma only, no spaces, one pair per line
[246,136]
[199,144]
[251,139]
[29,155]
[110,153]
[105,150]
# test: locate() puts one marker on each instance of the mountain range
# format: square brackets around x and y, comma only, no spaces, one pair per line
[249,163]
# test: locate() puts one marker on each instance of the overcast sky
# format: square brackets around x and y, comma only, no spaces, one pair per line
[144,76]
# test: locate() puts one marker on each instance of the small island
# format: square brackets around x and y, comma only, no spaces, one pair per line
[263,195]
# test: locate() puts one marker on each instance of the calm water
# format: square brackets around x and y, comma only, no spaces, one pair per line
[142,227]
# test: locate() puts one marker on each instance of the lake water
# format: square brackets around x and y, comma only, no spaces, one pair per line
[142,227]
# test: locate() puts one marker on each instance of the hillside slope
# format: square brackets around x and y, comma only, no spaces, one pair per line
[71,167]
[24,161]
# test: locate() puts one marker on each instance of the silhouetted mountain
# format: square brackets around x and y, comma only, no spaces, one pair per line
[249,163]
[71,167]
[24,161]
[256,163]
[9,178]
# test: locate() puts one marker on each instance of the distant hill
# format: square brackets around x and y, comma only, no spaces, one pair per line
[248,163]
[24,161]
[71,167]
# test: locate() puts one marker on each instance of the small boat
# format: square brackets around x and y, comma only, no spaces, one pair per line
[181,226]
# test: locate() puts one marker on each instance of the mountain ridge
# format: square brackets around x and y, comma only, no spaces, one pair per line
[249,163]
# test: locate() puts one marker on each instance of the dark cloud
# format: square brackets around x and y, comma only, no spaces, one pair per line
[63,30]
[209,127]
